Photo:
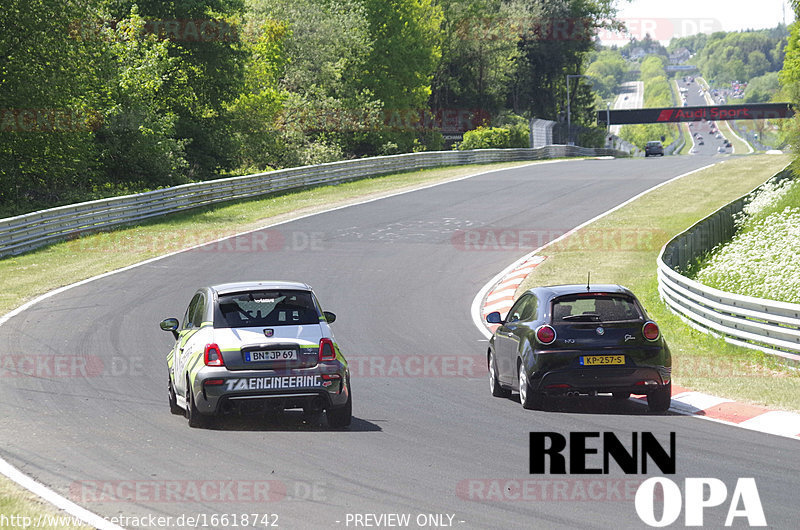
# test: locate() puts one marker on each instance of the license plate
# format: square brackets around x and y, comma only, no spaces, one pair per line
[601,360]
[270,355]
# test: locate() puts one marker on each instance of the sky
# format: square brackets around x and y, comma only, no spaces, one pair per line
[679,18]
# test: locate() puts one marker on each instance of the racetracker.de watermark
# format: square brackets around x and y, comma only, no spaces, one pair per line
[205,240]
[27,120]
[69,366]
[177,30]
[547,490]
[586,239]
[410,365]
[622,31]
[200,491]
[446,120]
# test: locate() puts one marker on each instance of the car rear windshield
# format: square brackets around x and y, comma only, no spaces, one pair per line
[266,308]
[594,307]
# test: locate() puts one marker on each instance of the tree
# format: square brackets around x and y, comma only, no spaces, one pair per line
[213,68]
[554,43]
[479,53]
[406,48]
[51,101]
[137,138]
[762,88]
[790,81]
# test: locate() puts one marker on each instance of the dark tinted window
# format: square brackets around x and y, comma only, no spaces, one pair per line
[191,311]
[199,312]
[266,308]
[524,309]
[594,308]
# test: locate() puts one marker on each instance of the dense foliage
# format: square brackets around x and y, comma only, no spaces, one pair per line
[740,56]
[101,97]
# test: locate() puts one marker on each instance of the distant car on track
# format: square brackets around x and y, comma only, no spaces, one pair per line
[653,148]
[256,347]
[567,340]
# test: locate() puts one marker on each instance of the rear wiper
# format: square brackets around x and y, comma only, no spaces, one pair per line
[587,318]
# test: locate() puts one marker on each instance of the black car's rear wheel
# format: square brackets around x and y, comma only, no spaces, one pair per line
[528,398]
[341,416]
[494,382]
[660,400]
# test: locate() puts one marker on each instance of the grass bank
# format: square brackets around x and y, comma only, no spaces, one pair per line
[626,254]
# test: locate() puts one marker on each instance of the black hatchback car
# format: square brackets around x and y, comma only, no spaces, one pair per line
[570,340]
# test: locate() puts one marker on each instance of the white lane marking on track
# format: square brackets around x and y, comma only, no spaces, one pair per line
[54,498]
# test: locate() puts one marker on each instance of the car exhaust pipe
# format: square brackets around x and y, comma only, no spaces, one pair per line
[573,393]
[316,405]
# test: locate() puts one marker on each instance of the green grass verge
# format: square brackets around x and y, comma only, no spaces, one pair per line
[622,248]
[21,507]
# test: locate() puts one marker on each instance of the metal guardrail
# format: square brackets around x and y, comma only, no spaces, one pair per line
[29,231]
[767,325]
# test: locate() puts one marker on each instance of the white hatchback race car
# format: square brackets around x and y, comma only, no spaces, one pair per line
[256,347]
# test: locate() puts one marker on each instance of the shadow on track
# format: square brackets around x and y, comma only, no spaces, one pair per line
[287,421]
[594,405]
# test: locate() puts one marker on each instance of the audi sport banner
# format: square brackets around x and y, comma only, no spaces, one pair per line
[752,111]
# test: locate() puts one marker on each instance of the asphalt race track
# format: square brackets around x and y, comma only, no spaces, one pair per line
[427,436]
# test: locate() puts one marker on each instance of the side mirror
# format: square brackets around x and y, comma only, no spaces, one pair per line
[494,318]
[329,317]
[170,324]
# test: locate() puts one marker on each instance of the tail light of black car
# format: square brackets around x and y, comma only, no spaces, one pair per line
[651,331]
[212,356]
[326,350]
[546,334]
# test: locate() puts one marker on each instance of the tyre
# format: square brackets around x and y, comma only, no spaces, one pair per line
[494,383]
[192,414]
[173,401]
[528,398]
[340,417]
[660,400]
[621,395]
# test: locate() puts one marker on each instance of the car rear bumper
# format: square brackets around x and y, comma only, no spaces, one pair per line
[637,380]
[258,391]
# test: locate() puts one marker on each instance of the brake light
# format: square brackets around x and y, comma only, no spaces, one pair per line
[650,330]
[326,350]
[212,356]
[214,382]
[546,334]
